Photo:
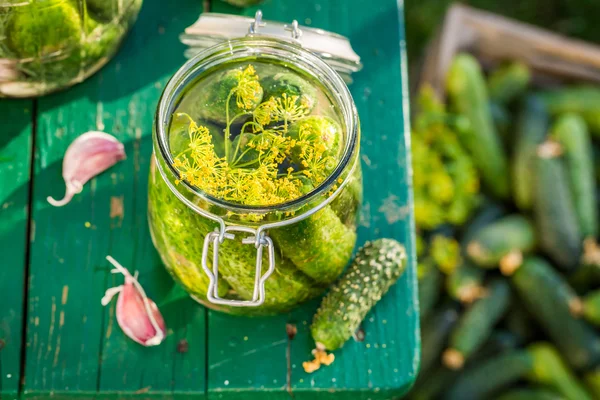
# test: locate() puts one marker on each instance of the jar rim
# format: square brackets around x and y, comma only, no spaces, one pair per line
[256,46]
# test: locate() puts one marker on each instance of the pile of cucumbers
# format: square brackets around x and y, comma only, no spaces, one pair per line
[510,300]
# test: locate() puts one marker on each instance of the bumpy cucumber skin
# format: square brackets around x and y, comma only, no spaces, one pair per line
[550,370]
[549,300]
[433,336]
[430,280]
[476,324]
[488,377]
[555,214]
[582,100]
[493,242]
[571,132]
[178,231]
[376,267]
[530,394]
[531,131]
[509,82]
[320,246]
[290,84]
[591,307]
[468,93]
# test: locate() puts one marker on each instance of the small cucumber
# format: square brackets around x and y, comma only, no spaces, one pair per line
[468,92]
[592,382]
[582,100]
[430,281]
[376,267]
[571,132]
[434,333]
[519,322]
[503,243]
[530,394]
[445,252]
[591,307]
[555,213]
[499,342]
[555,306]
[484,379]
[320,246]
[465,283]
[432,386]
[550,370]
[509,82]
[476,324]
[531,131]
[502,121]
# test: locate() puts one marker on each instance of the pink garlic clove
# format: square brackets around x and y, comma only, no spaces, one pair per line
[137,315]
[88,155]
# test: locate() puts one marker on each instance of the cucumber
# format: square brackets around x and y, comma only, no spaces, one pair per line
[434,333]
[430,280]
[503,243]
[509,82]
[476,324]
[530,394]
[484,379]
[585,278]
[519,322]
[499,342]
[376,267]
[571,132]
[554,305]
[320,245]
[555,211]
[432,386]
[591,307]
[348,202]
[550,370]
[445,252]
[531,131]
[502,122]
[592,382]
[468,92]
[465,283]
[583,100]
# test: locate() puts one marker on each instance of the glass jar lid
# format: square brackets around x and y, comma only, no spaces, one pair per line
[214,28]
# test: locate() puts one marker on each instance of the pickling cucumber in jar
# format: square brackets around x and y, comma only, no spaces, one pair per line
[256,183]
[49,45]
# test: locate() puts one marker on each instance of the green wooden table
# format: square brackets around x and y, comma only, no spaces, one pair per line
[55,338]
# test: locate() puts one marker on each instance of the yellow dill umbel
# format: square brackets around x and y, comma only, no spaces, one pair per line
[252,171]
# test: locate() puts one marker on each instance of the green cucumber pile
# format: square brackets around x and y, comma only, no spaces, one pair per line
[510,290]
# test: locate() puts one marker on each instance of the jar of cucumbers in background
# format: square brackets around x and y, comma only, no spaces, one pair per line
[47,45]
[256,182]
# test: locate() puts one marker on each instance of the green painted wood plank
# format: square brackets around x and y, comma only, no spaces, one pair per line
[247,357]
[74,345]
[15,162]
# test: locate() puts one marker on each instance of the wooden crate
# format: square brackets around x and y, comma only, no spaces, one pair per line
[57,341]
[494,39]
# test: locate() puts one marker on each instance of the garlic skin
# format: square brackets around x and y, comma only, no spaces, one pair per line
[137,315]
[89,155]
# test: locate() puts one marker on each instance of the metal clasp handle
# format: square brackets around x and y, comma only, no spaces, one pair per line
[260,241]
[257,23]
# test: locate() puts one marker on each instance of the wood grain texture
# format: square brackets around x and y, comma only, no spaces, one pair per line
[74,344]
[247,357]
[15,162]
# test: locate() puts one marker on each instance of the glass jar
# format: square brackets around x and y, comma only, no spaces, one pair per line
[46,45]
[255,259]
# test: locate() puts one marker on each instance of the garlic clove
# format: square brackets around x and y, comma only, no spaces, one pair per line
[88,155]
[137,315]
